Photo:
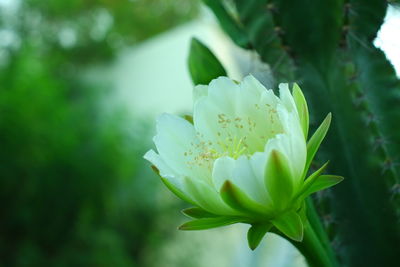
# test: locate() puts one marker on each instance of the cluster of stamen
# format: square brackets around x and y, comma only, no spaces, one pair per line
[229,142]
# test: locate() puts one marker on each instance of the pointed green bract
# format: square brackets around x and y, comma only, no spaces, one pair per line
[238,200]
[290,224]
[322,182]
[208,223]
[197,213]
[206,197]
[316,140]
[188,118]
[203,65]
[176,191]
[302,108]
[278,179]
[311,179]
[256,233]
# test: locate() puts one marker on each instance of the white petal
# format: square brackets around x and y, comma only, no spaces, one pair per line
[167,173]
[156,160]
[286,97]
[293,146]
[246,173]
[199,91]
[214,114]
[222,171]
[176,142]
[297,143]
[230,113]
[253,86]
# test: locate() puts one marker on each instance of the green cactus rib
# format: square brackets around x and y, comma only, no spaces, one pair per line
[377,96]
[227,22]
[380,86]
[327,46]
[265,36]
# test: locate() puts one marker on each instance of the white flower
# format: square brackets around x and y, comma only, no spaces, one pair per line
[244,158]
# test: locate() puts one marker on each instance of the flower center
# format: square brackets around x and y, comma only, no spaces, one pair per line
[234,136]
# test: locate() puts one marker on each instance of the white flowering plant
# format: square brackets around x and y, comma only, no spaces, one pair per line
[242,158]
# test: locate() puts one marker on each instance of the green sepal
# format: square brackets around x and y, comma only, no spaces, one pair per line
[197,213]
[203,65]
[256,233]
[207,223]
[316,140]
[278,179]
[177,191]
[290,224]
[302,211]
[310,180]
[238,200]
[322,182]
[302,108]
[188,118]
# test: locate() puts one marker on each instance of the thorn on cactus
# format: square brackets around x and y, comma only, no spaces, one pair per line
[271,6]
[371,118]
[320,196]
[346,8]
[367,46]
[359,100]
[286,48]
[337,245]
[395,191]
[279,31]
[379,142]
[328,220]
[388,164]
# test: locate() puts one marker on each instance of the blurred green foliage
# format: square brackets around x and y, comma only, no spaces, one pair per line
[73,186]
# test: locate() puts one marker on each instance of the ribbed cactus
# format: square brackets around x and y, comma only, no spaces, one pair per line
[326,47]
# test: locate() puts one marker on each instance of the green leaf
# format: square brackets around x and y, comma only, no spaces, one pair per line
[197,213]
[278,179]
[203,65]
[302,108]
[177,191]
[290,224]
[256,233]
[238,200]
[208,223]
[322,182]
[316,140]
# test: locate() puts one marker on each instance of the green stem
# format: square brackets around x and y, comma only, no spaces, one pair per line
[312,249]
[315,246]
[316,224]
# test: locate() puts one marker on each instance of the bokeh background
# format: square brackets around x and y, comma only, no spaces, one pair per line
[81,83]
